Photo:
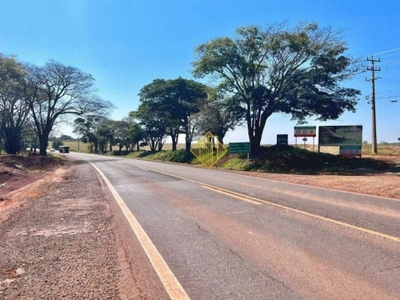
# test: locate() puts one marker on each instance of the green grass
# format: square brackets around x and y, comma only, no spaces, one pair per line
[282,159]
[180,156]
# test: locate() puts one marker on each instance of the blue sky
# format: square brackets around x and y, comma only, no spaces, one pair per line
[125,44]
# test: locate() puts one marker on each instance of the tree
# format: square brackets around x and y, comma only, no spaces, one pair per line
[106,135]
[13,107]
[221,114]
[154,113]
[121,137]
[56,91]
[88,129]
[176,101]
[135,135]
[296,71]
[153,124]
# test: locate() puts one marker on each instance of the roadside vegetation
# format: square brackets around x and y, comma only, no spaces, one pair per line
[287,159]
[254,73]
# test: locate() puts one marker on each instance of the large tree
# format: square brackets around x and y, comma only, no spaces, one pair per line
[297,71]
[156,97]
[13,107]
[177,100]
[56,91]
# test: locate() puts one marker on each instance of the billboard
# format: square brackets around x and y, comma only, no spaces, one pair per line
[304,131]
[340,135]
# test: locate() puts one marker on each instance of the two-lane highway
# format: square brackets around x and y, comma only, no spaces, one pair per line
[218,235]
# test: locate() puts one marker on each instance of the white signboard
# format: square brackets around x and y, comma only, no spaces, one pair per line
[304,131]
[347,150]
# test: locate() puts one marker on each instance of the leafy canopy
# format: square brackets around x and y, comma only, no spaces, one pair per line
[296,71]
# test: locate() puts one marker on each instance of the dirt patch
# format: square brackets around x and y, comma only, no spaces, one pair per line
[64,237]
[17,171]
[23,174]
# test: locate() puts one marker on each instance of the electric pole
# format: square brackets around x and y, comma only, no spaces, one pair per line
[373,69]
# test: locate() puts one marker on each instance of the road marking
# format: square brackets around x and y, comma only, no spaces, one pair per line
[365,230]
[168,279]
[258,201]
[234,195]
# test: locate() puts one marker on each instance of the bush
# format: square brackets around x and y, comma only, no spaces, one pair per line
[57,143]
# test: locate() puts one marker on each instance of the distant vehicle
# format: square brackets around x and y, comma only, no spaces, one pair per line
[52,150]
[63,149]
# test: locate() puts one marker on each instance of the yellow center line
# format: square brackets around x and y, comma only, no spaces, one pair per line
[258,201]
[362,229]
[168,279]
[233,195]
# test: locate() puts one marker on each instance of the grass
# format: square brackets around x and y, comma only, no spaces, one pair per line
[285,159]
[383,149]
[180,156]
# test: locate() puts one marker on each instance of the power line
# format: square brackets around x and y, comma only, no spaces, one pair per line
[392,54]
[386,51]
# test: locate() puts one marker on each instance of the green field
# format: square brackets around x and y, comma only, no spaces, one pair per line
[73,145]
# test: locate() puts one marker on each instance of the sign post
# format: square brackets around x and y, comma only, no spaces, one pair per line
[239,148]
[305,131]
[305,140]
[282,139]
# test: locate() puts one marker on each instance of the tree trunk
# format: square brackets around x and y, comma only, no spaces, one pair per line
[255,142]
[43,142]
[255,134]
[174,142]
[12,140]
[188,142]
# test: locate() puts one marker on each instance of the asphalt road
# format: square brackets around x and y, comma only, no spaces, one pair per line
[228,236]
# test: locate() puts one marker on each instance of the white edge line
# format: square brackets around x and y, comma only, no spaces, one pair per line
[170,282]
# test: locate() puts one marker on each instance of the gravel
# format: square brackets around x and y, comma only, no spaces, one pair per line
[64,238]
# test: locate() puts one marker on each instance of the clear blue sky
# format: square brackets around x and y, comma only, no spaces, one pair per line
[125,44]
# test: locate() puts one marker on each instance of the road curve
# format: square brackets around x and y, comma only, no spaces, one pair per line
[227,236]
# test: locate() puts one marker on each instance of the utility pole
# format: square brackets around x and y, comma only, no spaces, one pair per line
[373,69]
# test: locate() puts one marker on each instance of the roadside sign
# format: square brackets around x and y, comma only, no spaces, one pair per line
[340,135]
[350,150]
[238,148]
[304,131]
[282,139]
